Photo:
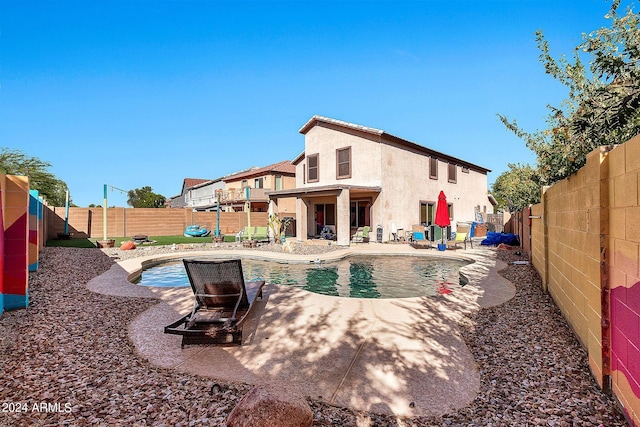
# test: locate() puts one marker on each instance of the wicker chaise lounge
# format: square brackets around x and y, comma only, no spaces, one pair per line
[222,303]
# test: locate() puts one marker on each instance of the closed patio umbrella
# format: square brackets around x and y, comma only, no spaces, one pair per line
[442,213]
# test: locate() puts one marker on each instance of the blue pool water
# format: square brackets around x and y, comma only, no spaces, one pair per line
[353,277]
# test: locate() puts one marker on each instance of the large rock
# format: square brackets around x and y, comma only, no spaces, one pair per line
[271,405]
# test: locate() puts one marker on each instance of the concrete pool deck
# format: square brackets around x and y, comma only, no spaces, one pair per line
[391,356]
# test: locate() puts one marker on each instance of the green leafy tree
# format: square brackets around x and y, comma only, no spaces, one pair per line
[603,104]
[517,188]
[15,162]
[145,198]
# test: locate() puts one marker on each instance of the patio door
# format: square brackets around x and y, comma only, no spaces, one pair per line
[427,218]
[359,214]
[325,215]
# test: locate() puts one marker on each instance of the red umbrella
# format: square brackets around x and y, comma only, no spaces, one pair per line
[442,213]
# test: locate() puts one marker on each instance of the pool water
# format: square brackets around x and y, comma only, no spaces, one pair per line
[353,277]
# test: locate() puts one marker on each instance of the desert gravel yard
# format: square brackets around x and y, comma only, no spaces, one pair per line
[68,360]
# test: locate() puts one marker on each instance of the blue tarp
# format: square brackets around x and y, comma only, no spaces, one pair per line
[494,239]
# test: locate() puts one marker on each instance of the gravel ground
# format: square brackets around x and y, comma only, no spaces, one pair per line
[67,360]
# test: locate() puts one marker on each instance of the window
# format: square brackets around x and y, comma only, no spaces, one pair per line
[278,182]
[427,213]
[258,183]
[433,168]
[452,173]
[343,163]
[244,183]
[312,167]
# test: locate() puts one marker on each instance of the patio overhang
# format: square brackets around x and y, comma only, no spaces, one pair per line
[321,191]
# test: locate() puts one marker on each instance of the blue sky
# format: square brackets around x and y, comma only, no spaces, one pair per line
[147,93]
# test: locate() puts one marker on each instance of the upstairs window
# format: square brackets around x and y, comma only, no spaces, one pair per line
[433,168]
[343,163]
[278,182]
[453,173]
[312,168]
[258,183]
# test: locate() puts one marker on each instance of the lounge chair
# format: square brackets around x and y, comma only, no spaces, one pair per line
[222,303]
[419,238]
[463,232]
[361,235]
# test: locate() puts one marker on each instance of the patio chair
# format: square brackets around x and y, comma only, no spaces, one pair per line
[419,238]
[222,303]
[361,235]
[463,235]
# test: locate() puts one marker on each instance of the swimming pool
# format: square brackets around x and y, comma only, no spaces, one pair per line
[352,277]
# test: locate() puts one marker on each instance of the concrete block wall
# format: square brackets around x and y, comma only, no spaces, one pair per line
[624,274]
[121,222]
[586,248]
[538,242]
[36,225]
[573,256]
[14,242]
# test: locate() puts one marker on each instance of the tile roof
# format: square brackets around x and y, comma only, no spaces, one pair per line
[284,166]
[190,182]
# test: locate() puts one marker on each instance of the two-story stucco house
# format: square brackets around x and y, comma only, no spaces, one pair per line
[252,185]
[234,190]
[350,176]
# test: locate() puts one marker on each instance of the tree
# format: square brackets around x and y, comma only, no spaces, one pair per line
[517,188]
[15,162]
[603,105]
[145,198]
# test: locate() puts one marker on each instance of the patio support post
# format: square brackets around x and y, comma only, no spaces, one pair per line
[343,228]
[302,214]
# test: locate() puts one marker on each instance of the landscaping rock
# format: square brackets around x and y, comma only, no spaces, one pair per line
[271,405]
[127,246]
[71,348]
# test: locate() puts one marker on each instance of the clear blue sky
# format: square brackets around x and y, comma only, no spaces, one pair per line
[147,93]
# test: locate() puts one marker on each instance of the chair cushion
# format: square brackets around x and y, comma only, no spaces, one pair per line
[417,235]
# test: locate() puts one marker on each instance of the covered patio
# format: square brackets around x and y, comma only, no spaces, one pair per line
[341,208]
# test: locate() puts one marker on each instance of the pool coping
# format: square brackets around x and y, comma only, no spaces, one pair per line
[394,356]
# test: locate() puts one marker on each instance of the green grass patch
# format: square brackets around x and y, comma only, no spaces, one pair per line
[157,241]
[72,243]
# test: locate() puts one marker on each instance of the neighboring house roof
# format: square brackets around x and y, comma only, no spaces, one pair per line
[321,120]
[192,182]
[283,167]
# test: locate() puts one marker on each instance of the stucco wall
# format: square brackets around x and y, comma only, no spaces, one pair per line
[401,172]
[365,156]
[203,196]
[406,183]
